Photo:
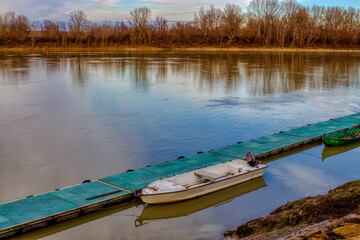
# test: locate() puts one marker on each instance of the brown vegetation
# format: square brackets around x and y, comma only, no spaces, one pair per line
[265,23]
[339,206]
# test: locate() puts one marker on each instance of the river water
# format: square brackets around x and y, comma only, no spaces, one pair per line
[67,117]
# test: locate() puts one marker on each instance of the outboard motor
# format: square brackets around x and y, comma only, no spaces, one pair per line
[251,160]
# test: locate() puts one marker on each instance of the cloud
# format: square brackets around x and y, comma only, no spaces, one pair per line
[345,3]
[99,10]
[304,180]
[45,9]
[59,10]
[185,10]
[31,8]
[197,2]
[178,14]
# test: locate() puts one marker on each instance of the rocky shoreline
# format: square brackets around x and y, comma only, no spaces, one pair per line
[335,215]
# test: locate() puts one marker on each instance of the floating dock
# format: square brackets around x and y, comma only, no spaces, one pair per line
[61,204]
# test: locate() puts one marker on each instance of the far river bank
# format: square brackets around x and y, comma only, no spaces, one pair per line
[150,48]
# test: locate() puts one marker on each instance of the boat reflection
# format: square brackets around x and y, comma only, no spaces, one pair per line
[329,151]
[184,208]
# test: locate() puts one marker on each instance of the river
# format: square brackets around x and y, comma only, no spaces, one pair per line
[67,117]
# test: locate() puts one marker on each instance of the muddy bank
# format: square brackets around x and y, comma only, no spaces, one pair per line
[335,215]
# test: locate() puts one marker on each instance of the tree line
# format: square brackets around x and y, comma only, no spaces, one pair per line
[266,23]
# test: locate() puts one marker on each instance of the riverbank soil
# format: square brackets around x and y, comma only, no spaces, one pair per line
[335,215]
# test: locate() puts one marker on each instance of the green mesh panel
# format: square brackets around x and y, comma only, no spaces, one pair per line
[47,204]
[142,177]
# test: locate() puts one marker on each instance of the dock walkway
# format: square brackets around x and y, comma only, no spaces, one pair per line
[40,210]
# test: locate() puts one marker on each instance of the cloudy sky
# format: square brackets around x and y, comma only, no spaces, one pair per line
[99,10]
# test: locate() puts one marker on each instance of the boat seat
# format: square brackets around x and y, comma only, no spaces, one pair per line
[206,174]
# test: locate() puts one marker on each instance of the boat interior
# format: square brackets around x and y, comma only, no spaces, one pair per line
[352,133]
[201,176]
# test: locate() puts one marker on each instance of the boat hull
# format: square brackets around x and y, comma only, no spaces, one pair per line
[201,190]
[342,138]
[337,142]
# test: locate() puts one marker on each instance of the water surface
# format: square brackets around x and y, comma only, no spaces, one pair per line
[67,117]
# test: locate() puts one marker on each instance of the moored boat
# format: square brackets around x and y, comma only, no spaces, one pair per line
[343,137]
[183,208]
[202,181]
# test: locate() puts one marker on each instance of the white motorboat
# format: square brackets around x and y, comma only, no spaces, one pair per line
[202,181]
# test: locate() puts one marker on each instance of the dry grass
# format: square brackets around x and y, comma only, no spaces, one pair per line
[76,49]
[180,49]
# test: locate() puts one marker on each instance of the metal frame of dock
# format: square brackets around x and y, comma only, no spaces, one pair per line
[61,204]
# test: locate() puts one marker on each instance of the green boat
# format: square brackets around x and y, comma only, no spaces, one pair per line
[343,137]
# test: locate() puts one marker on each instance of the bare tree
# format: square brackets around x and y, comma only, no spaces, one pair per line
[95,34]
[287,12]
[232,19]
[265,15]
[139,25]
[51,30]
[63,29]
[161,30]
[209,22]
[316,25]
[300,27]
[179,33]
[351,26]
[78,23]
[281,23]
[122,32]
[106,32]
[35,32]
[15,27]
[2,27]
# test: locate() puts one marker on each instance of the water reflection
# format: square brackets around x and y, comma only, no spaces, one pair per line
[256,74]
[184,208]
[330,151]
[13,70]
[303,179]
[79,72]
